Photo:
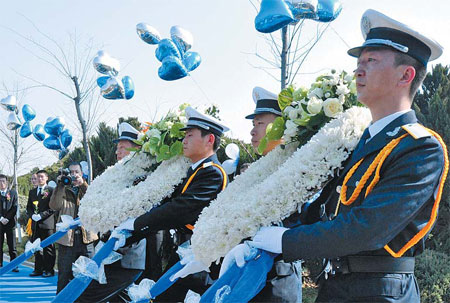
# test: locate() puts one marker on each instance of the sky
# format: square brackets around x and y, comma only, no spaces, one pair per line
[224,36]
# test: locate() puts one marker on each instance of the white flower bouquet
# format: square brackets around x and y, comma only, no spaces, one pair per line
[305,111]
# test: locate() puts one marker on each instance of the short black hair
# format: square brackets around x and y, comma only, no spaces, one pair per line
[2,176]
[216,138]
[421,71]
[42,171]
[75,163]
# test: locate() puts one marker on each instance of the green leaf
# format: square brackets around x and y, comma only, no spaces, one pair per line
[175,130]
[133,149]
[163,153]
[176,149]
[276,130]
[285,97]
[317,119]
[263,145]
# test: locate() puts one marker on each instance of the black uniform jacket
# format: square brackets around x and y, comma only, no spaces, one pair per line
[48,219]
[183,208]
[8,208]
[392,213]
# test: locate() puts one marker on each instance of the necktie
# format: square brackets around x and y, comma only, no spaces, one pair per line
[39,191]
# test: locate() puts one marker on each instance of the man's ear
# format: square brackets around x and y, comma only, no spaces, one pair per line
[409,73]
[211,139]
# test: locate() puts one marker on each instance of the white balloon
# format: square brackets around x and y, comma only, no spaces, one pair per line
[9,103]
[52,184]
[232,151]
[182,36]
[148,33]
[13,122]
[105,64]
[229,166]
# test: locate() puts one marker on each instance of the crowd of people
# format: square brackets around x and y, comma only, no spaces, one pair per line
[369,241]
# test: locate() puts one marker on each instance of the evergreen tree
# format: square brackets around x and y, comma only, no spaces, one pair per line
[432,106]
[433,110]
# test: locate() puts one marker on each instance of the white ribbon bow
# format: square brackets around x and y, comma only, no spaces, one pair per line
[67,223]
[141,291]
[33,246]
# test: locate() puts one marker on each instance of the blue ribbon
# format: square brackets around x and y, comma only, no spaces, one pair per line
[164,282]
[244,283]
[48,241]
[78,285]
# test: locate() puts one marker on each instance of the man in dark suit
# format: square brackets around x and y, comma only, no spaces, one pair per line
[8,215]
[371,234]
[204,180]
[43,225]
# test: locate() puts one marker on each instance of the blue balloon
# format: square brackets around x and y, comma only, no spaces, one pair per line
[54,126]
[102,80]
[62,153]
[26,130]
[52,142]
[328,10]
[172,69]
[38,132]
[167,48]
[128,85]
[191,60]
[66,138]
[273,15]
[28,113]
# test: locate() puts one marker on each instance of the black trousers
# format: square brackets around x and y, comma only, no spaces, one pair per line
[10,240]
[369,287]
[117,279]
[44,260]
[68,255]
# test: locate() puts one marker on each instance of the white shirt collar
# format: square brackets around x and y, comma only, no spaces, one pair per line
[196,164]
[376,127]
[3,193]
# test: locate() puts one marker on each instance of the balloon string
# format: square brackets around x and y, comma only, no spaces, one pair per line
[199,87]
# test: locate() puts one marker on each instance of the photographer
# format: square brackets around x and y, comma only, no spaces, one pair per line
[77,242]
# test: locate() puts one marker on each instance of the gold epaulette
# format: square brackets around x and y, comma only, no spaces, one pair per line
[417,130]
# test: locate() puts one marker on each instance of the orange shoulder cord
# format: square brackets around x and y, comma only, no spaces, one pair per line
[224,184]
[376,165]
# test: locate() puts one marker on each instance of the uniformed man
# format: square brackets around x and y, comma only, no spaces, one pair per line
[204,180]
[266,111]
[371,236]
[284,281]
[136,257]
[127,134]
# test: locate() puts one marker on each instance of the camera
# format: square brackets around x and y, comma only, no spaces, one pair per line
[66,178]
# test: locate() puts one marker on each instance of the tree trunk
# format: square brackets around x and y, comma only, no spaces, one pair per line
[83,128]
[284,52]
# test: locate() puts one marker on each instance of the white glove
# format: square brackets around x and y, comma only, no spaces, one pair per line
[127,225]
[4,221]
[238,254]
[190,268]
[36,217]
[269,239]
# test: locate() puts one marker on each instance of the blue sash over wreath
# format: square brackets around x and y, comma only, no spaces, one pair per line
[241,284]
